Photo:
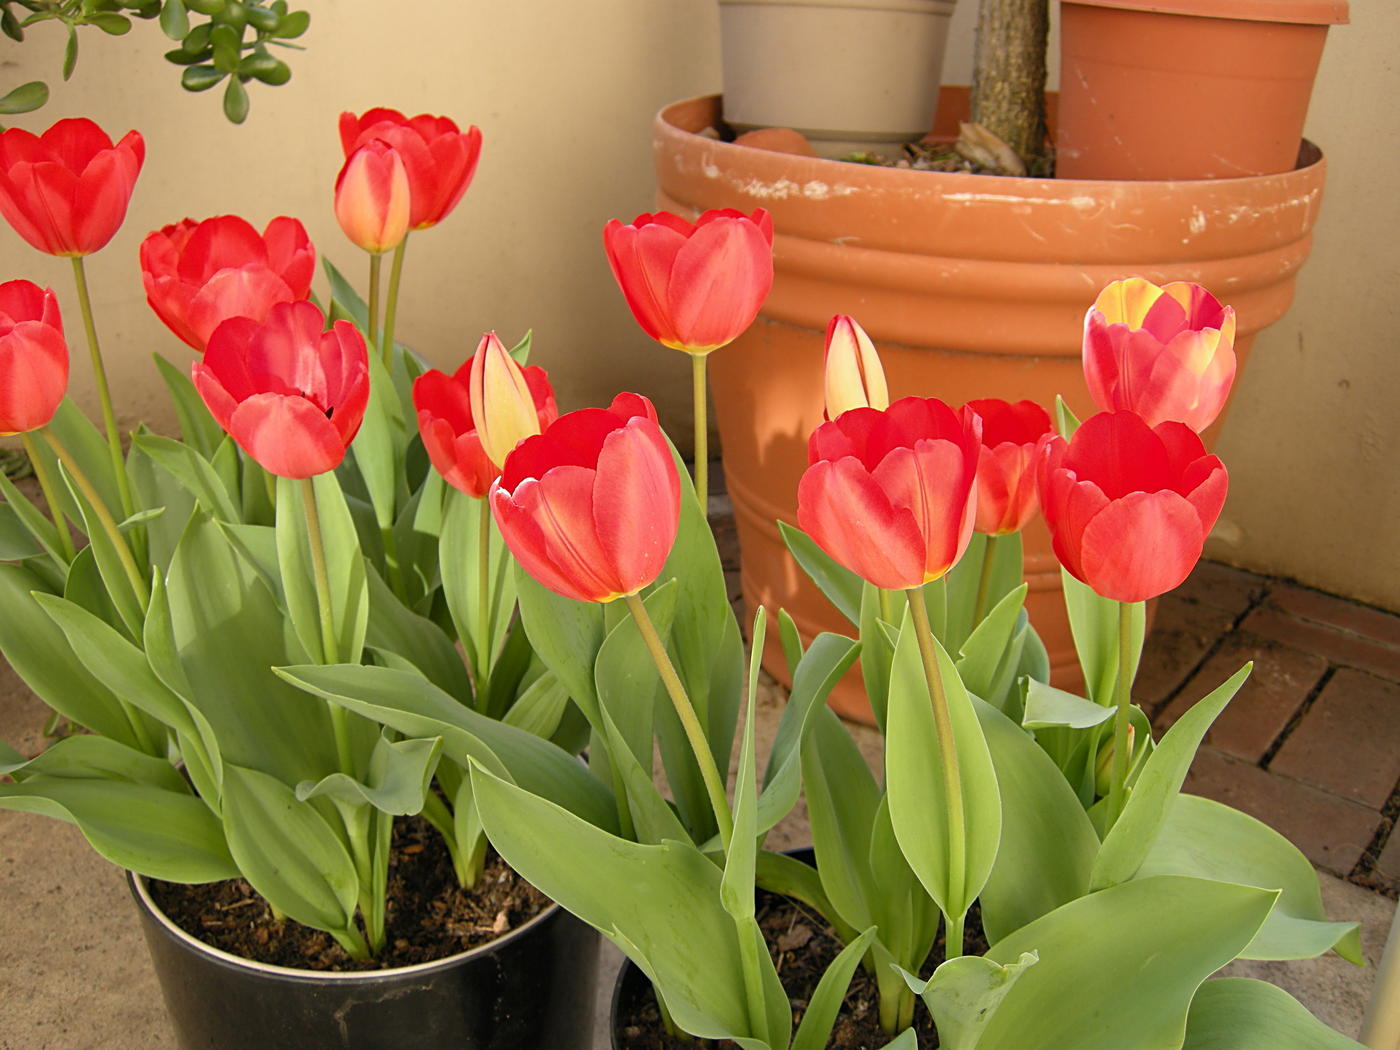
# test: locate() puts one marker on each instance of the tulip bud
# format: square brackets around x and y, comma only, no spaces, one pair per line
[501,402]
[1103,767]
[854,378]
[372,197]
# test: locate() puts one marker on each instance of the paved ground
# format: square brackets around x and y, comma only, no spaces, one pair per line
[1311,745]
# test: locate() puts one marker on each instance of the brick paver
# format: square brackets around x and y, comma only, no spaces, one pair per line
[1340,647]
[1222,587]
[1307,604]
[1281,681]
[1349,743]
[1183,631]
[1331,831]
[1388,864]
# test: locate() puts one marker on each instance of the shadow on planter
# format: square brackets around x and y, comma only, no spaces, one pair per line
[531,989]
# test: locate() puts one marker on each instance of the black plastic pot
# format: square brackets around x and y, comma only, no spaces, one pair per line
[530,990]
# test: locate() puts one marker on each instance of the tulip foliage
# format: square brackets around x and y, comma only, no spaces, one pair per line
[358,588]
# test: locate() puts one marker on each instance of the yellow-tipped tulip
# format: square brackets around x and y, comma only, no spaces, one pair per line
[501,402]
[854,378]
[372,198]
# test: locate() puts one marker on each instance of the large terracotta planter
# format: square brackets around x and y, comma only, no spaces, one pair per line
[1186,89]
[971,286]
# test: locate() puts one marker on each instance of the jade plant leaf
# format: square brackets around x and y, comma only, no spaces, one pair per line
[1209,840]
[1127,844]
[1118,968]
[963,995]
[1240,1014]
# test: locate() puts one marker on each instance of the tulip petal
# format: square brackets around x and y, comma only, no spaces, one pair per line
[719,280]
[287,435]
[842,508]
[548,524]
[33,375]
[636,502]
[1141,546]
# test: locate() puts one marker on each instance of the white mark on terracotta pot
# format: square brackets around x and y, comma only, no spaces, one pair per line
[711,171]
[1197,222]
[816,190]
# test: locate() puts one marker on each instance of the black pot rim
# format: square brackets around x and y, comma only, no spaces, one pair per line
[140,891]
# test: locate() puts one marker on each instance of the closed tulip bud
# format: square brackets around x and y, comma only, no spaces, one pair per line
[1103,768]
[372,197]
[854,378]
[1164,353]
[33,357]
[501,400]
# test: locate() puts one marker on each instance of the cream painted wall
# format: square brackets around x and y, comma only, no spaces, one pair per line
[564,93]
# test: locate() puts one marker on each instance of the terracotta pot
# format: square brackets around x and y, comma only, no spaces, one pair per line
[1186,89]
[971,286]
[894,48]
[534,987]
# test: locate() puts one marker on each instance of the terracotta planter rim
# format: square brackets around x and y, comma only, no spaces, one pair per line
[1305,12]
[805,172]
[140,891]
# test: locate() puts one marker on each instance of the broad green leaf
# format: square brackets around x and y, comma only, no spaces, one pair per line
[736,888]
[170,502]
[427,516]
[1118,968]
[193,471]
[840,585]
[394,628]
[378,448]
[652,819]
[416,708]
[918,789]
[24,530]
[400,772]
[149,830]
[842,798]
[785,874]
[985,649]
[1047,846]
[1212,841]
[91,757]
[963,995]
[1240,1014]
[108,551]
[174,20]
[670,916]
[89,450]
[540,708]
[1051,708]
[907,917]
[288,852]
[1128,844]
[566,635]
[628,683]
[24,99]
[825,1003]
[343,293]
[198,429]
[1093,622]
[791,639]
[877,652]
[972,580]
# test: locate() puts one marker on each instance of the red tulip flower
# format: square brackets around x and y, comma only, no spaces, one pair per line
[439,158]
[854,377]
[199,274]
[372,197]
[289,392]
[33,357]
[892,495]
[1164,353]
[1006,486]
[1129,506]
[66,191]
[693,287]
[591,506]
[448,421]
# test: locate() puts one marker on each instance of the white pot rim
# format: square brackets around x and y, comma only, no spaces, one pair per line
[141,891]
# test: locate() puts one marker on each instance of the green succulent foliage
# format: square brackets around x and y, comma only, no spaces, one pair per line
[230,45]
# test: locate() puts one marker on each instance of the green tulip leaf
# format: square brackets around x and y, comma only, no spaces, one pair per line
[379,446]
[343,294]
[1051,708]
[988,648]
[566,635]
[842,587]
[394,628]
[628,683]
[192,471]
[1209,840]
[791,640]
[842,799]
[963,995]
[198,429]
[1240,1014]
[1093,622]
[877,651]
[24,529]
[1118,968]
[400,772]
[915,782]
[1128,844]
[736,887]
[107,552]
[815,1028]
[91,757]
[966,582]
[540,707]
[1066,422]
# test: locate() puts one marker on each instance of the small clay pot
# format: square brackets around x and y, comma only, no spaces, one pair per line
[530,989]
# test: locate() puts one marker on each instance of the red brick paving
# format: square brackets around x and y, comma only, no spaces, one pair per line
[1340,647]
[1183,632]
[1349,742]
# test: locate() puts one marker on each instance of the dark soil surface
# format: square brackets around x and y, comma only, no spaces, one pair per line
[802,946]
[428,915]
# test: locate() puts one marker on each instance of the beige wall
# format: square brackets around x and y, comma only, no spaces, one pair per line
[564,93]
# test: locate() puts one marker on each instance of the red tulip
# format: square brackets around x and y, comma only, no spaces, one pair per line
[440,159]
[854,377]
[199,274]
[1011,437]
[693,287]
[372,197]
[66,191]
[591,506]
[892,495]
[33,357]
[1164,353]
[449,426]
[1129,506]
[289,392]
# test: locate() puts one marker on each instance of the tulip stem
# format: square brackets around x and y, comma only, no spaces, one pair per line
[109,524]
[391,304]
[984,580]
[329,654]
[373,333]
[952,780]
[483,590]
[709,772]
[46,485]
[702,433]
[1123,700]
[104,393]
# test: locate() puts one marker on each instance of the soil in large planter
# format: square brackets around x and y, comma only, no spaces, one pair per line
[802,946]
[428,915]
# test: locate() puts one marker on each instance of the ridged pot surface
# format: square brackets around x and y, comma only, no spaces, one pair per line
[971,286]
